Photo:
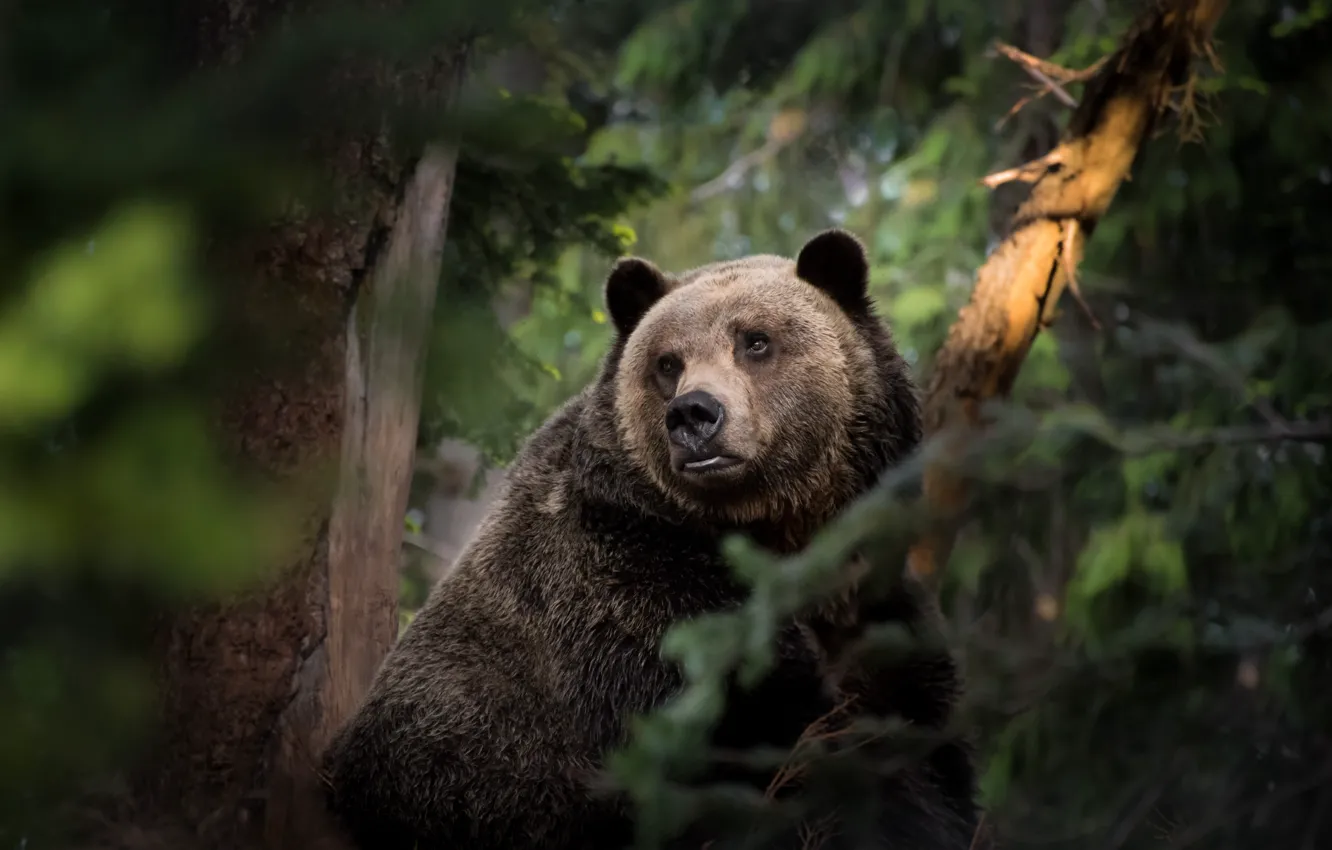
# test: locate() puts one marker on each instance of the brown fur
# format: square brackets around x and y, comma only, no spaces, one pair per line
[487,722]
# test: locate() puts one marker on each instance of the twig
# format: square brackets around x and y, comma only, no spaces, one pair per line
[978,833]
[1052,78]
[1193,348]
[785,127]
[737,169]
[1136,815]
[1040,71]
[1014,110]
[423,543]
[1313,828]
[823,729]
[1046,69]
[815,835]
[1155,440]
[1232,812]
[1069,257]
[1028,172]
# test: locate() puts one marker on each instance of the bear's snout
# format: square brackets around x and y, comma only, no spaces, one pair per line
[693,419]
[693,422]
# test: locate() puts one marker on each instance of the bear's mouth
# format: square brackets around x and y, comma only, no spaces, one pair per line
[710,463]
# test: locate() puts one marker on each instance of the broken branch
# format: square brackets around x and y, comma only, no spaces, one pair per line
[1018,285]
[1028,172]
[1046,70]
[1048,74]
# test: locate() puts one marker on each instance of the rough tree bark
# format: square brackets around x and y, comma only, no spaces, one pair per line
[1020,283]
[253,688]
[385,343]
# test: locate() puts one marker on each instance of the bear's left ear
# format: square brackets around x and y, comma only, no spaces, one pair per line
[836,262]
[633,286]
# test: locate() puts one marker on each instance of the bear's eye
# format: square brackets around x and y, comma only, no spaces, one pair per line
[756,344]
[668,365]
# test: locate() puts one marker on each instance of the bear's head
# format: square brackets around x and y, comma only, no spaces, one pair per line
[761,390]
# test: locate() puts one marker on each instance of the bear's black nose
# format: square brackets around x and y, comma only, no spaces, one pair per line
[694,418]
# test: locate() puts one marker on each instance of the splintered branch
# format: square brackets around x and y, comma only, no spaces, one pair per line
[1028,172]
[1018,286]
[1069,252]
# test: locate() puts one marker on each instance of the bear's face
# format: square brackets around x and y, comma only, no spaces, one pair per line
[738,386]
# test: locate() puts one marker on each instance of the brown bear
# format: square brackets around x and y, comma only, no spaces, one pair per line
[759,396]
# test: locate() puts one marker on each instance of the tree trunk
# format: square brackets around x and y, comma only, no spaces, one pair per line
[384,355]
[1019,285]
[252,689]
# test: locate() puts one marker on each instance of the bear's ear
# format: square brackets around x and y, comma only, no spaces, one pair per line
[836,262]
[633,286]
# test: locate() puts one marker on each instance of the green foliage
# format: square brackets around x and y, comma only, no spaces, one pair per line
[520,225]
[115,299]
[137,508]
[483,386]
[1137,545]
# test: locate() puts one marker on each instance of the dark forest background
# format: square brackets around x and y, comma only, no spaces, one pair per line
[194,197]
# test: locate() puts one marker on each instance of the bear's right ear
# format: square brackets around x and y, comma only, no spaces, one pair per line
[633,287]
